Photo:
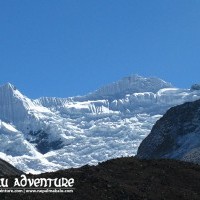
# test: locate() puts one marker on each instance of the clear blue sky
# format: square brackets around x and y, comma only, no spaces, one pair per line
[70,47]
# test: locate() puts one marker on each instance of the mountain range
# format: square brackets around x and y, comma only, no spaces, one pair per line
[49,133]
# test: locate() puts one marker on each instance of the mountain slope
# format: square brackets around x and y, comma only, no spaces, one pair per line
[54,133]
[129,85]
[126,178]
[7,169]
[176,135]
[16,107]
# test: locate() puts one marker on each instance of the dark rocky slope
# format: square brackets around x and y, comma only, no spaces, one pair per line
[176,135]
[7,169]
[127,179]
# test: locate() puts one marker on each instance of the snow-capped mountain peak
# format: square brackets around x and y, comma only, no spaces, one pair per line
[8,86]
[8,89]
[51,133]
[14,106]
[130,85]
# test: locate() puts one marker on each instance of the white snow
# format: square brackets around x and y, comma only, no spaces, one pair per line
[8,127]
[108,123]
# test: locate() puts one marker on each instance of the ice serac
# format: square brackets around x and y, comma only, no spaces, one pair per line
[50,133]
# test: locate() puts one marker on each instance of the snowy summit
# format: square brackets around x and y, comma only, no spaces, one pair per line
[49,133]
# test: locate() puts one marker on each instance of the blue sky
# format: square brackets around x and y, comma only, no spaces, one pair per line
[70,47]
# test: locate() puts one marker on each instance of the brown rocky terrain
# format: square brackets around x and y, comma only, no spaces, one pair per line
[127,179]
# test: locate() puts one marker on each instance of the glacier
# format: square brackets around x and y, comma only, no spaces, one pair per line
[49,133]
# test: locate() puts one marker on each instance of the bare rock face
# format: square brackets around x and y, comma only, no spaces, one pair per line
[7,169]
[195,87]
[176,135]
